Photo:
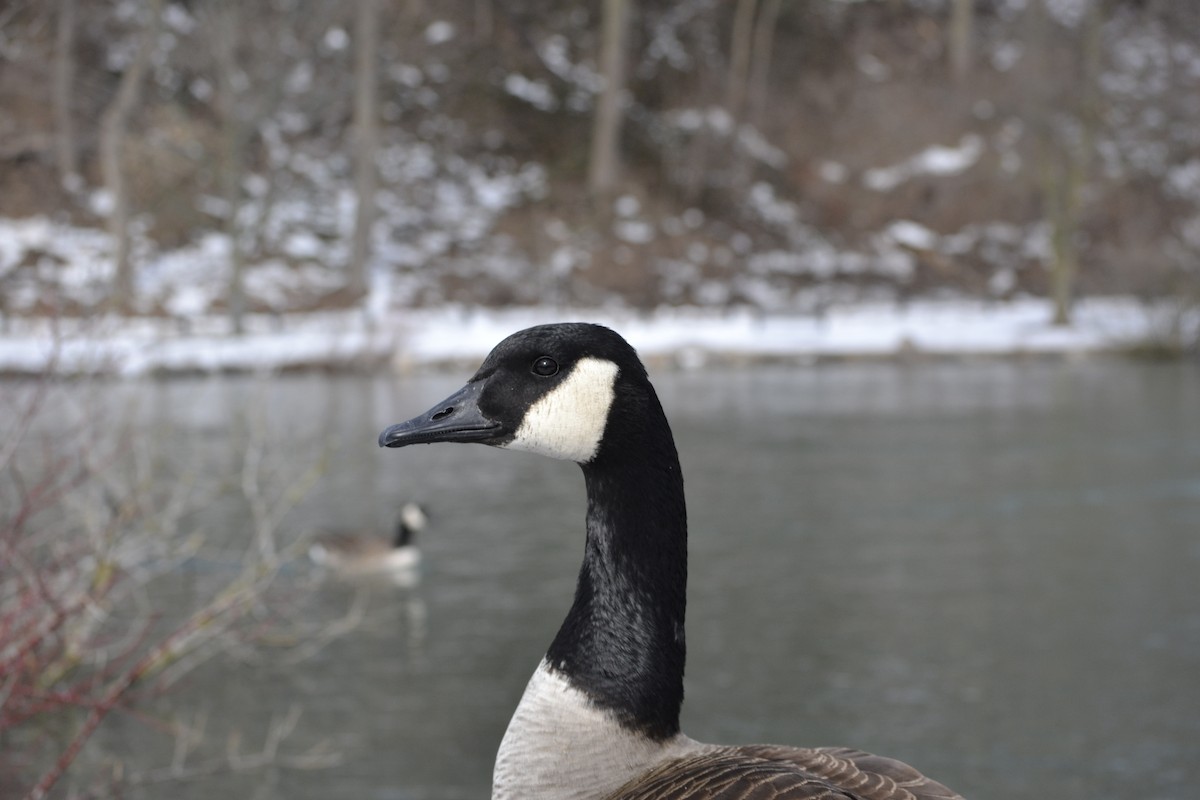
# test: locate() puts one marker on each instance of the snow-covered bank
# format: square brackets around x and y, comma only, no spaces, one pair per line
[870,330]
[131,347]
[407,339]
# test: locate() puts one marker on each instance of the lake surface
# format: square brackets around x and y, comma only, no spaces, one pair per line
[990,570]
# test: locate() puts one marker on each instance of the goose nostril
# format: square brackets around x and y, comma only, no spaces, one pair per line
[445,412]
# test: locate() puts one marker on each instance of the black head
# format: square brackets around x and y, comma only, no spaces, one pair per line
[549,389]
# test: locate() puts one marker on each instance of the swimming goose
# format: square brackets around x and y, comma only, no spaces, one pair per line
[362,553]
[600,716]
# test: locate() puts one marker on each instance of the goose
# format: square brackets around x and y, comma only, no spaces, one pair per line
[358,553]
[599,719]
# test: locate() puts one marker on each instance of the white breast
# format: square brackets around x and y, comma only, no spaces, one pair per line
[559,745]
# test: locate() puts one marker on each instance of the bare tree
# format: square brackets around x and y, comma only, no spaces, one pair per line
[251,78]
[751,41]
[737,81]
[740,38]
[604,160]
[760,66]
[366,140]
[960,40]
[64,80]
[483,23]
[227,25]
[1066,128]
[114,128]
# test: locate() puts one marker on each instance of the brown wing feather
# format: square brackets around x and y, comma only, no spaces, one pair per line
[352,546]
[769,772]
[864,774]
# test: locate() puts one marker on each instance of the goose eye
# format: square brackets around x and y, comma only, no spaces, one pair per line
[545,366]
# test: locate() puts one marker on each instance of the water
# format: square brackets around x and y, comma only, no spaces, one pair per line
[988,570]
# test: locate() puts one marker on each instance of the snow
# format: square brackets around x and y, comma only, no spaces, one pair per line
[408,338]
[627,205]
[440,32]
[873,329]
[437,217]
[336,39]
[936,160]
[833,172]
[912,234]
[633,231]
[1002,281]
[535,92]
[129,348]
[719,122]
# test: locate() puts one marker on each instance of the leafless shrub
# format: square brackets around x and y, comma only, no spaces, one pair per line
[94,516]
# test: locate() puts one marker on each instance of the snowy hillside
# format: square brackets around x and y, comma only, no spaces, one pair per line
[822,178]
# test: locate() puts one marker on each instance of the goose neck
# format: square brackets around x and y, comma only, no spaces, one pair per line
[622,642]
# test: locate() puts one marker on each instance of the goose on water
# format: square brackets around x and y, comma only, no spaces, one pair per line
[363,553]
[600,716]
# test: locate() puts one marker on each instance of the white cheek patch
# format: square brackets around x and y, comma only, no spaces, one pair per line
[412,516]
[569,422]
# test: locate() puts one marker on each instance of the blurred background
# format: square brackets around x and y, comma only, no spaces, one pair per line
[918,281]
[169,159]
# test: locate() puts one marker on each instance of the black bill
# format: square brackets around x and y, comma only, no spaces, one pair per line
[455,419]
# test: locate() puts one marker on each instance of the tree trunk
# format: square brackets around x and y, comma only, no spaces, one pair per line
[114,127]
[696,172]
[961,39]
[760,68]
[757,89]
[604,159]
[64,79]
[1060,192]
[228,26]
[1074,170]
[483,22]
[740,40]
[366,142]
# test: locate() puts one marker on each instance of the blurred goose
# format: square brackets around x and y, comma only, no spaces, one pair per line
[363,553]
[600,716]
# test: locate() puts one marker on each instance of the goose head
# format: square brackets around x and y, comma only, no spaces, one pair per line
[413,517]
[550,389]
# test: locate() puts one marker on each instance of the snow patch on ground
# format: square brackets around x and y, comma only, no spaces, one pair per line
[685,336]
[936,160]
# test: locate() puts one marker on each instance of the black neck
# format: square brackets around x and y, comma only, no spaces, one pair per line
[403,535]
[623,640]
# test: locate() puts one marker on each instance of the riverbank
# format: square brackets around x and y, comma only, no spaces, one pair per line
[684,337]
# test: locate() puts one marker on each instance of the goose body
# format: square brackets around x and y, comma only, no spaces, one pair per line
[363,553]
[599,719]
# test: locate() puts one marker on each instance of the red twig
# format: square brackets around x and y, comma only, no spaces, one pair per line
[149,662]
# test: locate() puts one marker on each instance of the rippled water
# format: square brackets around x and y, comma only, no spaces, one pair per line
[989,570]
